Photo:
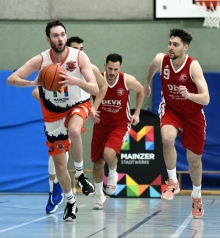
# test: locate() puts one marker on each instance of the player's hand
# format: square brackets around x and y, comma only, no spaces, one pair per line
[95,117]
[184,91]
[68,80]
[135,120]
[147,90]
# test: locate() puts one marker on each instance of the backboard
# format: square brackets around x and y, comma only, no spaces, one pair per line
[177,9]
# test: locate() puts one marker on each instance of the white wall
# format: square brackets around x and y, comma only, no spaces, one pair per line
[76,9]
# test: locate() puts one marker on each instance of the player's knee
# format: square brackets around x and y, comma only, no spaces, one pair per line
[74,133]
[98,165]
[168,141]
[195,162]
[109,155]
[60,168]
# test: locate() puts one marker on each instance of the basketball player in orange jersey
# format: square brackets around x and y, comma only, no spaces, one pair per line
[56,192]
[64,114]
[184,92]
[115,121]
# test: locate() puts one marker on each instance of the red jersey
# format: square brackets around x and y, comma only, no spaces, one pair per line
[115,107]
[171,80]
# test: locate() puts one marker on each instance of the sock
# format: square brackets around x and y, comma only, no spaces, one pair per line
[111,172]
[79,168]
[70,197]
[172,174]
[55,180]
[51,185]
[196,192]
[99,188]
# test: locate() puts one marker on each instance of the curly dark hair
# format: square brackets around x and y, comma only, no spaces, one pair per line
[185,36]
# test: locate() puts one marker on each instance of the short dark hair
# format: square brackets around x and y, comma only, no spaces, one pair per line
[114,58]
[52,24]
[185,36]
[72,39]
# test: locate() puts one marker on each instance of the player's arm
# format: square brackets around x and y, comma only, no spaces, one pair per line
[98,99]
[198,78]
[35,93]
[86,70]
[90,84]
[102,87]
[153,68]
[134,85]
[18,78]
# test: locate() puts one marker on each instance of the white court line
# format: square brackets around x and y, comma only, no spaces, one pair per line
[36,220]
[182,227]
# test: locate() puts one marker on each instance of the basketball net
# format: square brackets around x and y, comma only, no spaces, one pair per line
[211,13]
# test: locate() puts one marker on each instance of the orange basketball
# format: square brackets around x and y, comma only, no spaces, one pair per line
[49,77]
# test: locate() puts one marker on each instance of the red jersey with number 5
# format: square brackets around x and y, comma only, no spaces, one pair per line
[171,80]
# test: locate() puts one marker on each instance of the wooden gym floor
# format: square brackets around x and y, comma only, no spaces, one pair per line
[23,215]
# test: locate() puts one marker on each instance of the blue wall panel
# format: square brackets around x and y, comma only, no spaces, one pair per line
[24,155]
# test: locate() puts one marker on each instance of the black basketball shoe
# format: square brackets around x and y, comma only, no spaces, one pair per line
[85,185]
[70,212]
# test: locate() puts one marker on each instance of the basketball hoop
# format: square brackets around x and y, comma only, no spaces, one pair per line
[211,9]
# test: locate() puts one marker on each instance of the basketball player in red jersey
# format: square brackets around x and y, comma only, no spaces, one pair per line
[184,93]
[56,192]
[113,127]
[64,112]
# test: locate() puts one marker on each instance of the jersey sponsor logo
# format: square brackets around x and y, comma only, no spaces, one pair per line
[71,66]
[64,90]
[174,88]
[60,100]
[120,91]
[61,92]
[111,102]
[183,78]
[174,93]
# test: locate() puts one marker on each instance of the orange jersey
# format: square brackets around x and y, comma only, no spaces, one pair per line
[56,105]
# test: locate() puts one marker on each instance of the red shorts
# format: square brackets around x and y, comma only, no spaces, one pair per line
[57,131]
[107,136]
[193,127]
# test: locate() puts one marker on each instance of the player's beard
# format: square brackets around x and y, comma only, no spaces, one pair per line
[174,56]
[112,77]
[56,49]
